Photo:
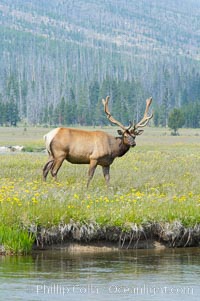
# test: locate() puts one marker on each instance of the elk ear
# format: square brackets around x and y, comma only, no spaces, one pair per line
[120,132]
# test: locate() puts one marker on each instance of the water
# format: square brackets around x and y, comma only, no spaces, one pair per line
[122,275]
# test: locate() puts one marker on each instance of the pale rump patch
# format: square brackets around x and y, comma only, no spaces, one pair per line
[49,137]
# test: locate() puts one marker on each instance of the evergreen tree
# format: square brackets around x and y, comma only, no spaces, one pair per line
[56,115]
[165,109]
[51,115]
[2,111]
[70,113]
[83,108]
[24,93]
[192,115]
[62,113]
[14,115]
[156,117]
[176,120]
[105,90]
[45,117]
[116,100]
[93,99]
[72,107]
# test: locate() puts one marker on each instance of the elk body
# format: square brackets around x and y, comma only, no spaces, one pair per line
[91,147]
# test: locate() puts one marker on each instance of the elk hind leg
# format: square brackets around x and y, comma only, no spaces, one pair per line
[47,168]
[56,166]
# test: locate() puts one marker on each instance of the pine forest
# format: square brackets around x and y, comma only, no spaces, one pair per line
[59,58]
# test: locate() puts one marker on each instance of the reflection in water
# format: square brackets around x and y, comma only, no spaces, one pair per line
[122,275]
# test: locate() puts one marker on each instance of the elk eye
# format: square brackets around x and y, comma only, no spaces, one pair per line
[120,132]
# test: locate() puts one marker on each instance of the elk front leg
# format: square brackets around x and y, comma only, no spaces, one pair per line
[93,165]
[106,173]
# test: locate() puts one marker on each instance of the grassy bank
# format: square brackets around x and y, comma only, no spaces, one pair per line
[156,182]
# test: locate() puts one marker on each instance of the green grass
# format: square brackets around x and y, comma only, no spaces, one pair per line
[157,181]
[15,239]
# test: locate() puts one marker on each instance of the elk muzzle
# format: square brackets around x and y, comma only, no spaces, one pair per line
[131,140]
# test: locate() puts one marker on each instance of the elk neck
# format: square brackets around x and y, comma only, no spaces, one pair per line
[120,147]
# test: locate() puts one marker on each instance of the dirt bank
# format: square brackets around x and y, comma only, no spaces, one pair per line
[84,237]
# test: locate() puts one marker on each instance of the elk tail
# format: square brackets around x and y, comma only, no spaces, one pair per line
[48,139]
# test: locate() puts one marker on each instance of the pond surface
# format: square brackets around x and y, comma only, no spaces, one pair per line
[121,275]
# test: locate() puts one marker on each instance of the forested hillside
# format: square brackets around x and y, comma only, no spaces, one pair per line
[60,57]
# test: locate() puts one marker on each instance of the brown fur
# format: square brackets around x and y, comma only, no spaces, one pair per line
[85,147]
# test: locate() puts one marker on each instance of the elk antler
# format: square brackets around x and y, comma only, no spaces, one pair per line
[143,122]
[111,118]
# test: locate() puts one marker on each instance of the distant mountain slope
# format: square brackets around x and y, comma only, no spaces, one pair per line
[50,47]
[166,26]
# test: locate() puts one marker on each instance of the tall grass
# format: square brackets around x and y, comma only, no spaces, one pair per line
[15,240]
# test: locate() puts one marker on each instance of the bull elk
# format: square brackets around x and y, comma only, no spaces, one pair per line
[91,147]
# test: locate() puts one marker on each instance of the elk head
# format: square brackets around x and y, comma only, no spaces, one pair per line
[129,133]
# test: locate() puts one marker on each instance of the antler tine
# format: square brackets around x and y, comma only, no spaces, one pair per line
[130,125]
[109,116]
[143,122]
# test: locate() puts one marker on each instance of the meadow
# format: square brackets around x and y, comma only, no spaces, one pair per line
[157,181]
